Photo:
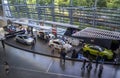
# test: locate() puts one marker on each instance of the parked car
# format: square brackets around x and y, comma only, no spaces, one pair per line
[59,44]
[10,28]
[25,39]
[95,49]
[45,35]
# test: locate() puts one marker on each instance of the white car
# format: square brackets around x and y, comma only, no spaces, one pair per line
[59,44]
[25,39]
[45,35]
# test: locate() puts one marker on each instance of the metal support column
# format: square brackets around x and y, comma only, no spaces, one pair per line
[27,9]
[94,15]
[8,11]
[70,12]
[53,11]
[38,8]
[17,8]
[3,7]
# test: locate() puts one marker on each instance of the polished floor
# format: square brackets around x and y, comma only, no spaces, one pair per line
[29,65]
[41,46]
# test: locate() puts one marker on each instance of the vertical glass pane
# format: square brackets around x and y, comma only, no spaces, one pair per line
[44,2]
[62,2]
[31,1]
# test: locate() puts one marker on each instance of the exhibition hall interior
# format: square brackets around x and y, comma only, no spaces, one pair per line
[59,38]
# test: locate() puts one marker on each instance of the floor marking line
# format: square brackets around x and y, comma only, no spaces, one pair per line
[50,66]
[45,72]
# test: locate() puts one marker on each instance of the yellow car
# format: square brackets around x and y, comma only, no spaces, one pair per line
[94,50]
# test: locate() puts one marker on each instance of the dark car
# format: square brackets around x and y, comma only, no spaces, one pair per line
[13,34]
[10,28]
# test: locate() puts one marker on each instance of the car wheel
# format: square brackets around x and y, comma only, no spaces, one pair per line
[17,40]
[51,45]
[25,43]
[38,36]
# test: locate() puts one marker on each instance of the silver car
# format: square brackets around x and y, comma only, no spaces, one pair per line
[25,39]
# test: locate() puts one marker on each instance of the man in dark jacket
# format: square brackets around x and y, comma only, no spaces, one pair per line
[83,65]
[2,42]
[97,60]
[62,55]
[74,54]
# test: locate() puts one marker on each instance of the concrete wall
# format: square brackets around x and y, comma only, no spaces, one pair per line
[3,23]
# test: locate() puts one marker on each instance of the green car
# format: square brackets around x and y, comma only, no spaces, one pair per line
[95,49]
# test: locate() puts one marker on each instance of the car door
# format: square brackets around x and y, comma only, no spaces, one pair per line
[97,51]
[20,39]
[60,45]
[54,44]
[57,45]
[24,39]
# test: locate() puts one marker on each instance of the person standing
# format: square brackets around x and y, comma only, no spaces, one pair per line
[100,70]
[35,38]
[116,60]
[83,65]
[89,66]
[97,60]
[117,55]
[2,42]
[53,50]
[74,54]
[33,45]
[62,55]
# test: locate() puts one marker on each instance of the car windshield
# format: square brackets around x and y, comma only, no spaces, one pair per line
[97,47]
[26,37]
[62,42]
[100,48]
[47,33]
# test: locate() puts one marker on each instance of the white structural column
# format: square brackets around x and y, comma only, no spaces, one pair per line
[6,9]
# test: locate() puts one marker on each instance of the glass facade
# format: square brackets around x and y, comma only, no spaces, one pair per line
[77,15]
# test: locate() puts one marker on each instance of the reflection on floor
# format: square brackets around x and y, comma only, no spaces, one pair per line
[28,65]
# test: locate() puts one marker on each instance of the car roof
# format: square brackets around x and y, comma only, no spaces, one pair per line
[97,46]
[58,40]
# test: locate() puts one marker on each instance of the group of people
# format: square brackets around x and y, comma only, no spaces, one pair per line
[99,62]
[63,54]
[87,64]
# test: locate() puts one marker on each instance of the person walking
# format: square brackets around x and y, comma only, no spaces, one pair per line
[100,70]
[33,45]
[35,38]
[89,66]
[83,65]
[62,55]
[53,50]
[97,60]
[116,60]
[2,42]
[74,54]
